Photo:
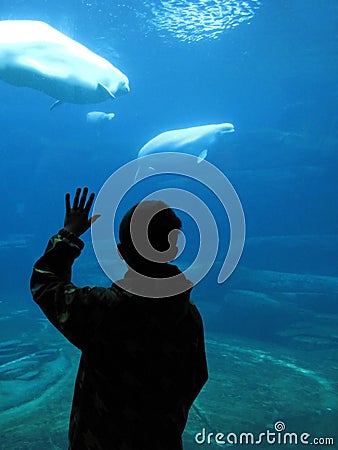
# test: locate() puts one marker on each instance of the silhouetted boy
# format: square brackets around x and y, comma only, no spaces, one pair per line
[143,358]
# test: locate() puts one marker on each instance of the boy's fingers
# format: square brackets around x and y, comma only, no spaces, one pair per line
[76,198]
[90,202]
[67,202]
[83,198]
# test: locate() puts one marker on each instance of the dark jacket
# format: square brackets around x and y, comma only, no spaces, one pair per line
[143,359]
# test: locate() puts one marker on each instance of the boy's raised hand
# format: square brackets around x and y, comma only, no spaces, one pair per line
[76,218]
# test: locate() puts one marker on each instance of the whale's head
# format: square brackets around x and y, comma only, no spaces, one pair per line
[123,86]
[225,128]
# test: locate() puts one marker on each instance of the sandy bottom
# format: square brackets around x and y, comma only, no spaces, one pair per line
[252,386]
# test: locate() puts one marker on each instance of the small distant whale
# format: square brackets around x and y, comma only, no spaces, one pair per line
[194,141]
[99,116]
[36,55]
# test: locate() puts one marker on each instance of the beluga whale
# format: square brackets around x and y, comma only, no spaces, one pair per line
[99,117]
[36,55]
[194,141]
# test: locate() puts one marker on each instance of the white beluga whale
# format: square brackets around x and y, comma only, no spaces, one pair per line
[36,55]
[194,141]
[99,117]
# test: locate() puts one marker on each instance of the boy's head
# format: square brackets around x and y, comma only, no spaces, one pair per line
[149,225]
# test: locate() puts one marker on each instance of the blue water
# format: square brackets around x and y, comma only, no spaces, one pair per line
[268,67]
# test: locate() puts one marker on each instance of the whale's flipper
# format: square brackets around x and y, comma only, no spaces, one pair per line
[55,104]
[136,178]
[202,156]
[143,171]
[102,86]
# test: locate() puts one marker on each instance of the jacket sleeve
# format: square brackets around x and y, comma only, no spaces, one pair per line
[76,312]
